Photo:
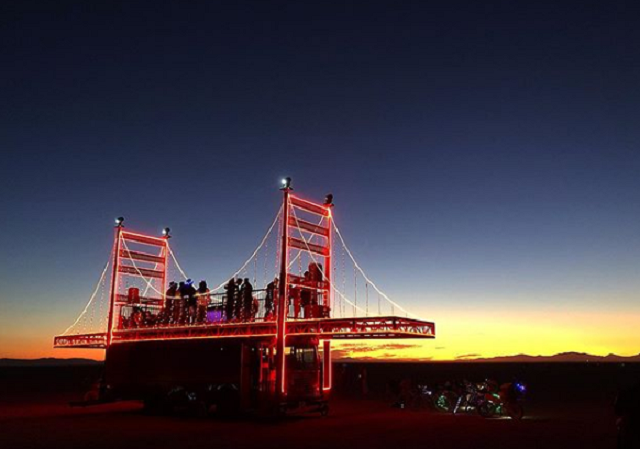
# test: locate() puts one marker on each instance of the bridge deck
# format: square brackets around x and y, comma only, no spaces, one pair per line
[327,328]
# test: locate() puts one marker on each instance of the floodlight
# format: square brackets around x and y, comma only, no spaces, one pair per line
[286,183]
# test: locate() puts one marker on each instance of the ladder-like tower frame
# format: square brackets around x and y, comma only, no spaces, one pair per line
[290,221]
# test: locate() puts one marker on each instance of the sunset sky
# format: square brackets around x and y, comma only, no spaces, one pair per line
[484,158]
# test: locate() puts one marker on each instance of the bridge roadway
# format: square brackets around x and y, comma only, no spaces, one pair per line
[323,328]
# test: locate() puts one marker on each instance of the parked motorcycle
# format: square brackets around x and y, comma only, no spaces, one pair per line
[445,397]
[506,402]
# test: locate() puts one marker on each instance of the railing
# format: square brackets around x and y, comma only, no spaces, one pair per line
[155,312]
[92,341]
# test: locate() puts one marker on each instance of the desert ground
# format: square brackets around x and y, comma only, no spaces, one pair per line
[568,405]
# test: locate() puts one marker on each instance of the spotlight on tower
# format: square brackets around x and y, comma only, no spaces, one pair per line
[166,232]
[286,183]
[119,221]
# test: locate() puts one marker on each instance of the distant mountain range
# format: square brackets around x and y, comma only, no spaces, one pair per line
[580,357]
[562,357]
[47,362]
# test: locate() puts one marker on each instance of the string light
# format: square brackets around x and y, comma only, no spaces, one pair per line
[243,269]
[375,287]
[93,295]
[173,256]
[264,239]
[319,265]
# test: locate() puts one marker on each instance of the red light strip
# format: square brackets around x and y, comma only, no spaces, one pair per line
[327,362]
[144,239]
[143,257]
[310,227]
[310,207]
[190,338]
[302,245]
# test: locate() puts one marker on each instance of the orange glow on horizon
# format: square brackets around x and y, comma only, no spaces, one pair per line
[460,335]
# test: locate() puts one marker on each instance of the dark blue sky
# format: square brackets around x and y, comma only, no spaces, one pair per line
[477,151]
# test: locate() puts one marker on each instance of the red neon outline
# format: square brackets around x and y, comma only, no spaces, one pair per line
[161,240]
[190,338]
[323,206]
[327,347]
[284,359]
[115,280]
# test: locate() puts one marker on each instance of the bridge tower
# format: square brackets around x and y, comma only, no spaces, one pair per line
[318,283]
[141,269]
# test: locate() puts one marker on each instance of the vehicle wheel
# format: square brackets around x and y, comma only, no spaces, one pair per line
[445,402]
[486,410]
[515,411]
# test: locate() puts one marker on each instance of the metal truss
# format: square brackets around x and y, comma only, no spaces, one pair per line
[327,328]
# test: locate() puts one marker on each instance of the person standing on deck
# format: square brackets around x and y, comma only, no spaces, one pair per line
[270,298]
[229,306]
[179,305]
[305,295]
[169,302]
[192,302]
[203,302]
[247,300]
[237,300]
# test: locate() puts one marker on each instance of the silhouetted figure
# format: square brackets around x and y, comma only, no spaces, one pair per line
[192,302]
[255,307]
[237,300]
[137,318]
[169,300]
[179,305]
[203,301]
[270,298]
[294,295]
[229,305]
[305,296]
[315,277]
[627,409]
[247,300]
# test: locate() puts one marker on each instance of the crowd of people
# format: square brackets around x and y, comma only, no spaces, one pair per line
[184,304]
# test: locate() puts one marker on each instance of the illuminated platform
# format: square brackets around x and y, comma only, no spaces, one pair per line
[328,328]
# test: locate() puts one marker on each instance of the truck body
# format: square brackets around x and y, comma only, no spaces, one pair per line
[230,375]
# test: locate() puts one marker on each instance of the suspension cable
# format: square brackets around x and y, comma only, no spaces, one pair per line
[93,295]
[293,210]
[173,256]
[375,287]
[264,239]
